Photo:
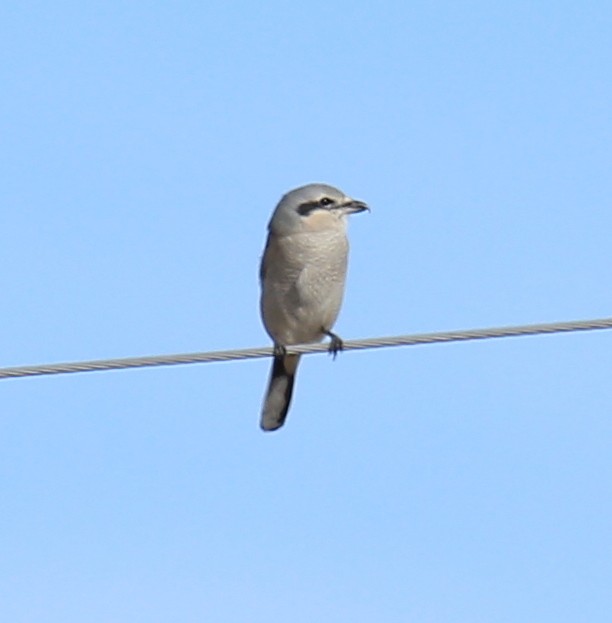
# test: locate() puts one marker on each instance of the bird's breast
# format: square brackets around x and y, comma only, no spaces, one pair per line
[303,286]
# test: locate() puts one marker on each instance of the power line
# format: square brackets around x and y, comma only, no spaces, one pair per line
[255,353]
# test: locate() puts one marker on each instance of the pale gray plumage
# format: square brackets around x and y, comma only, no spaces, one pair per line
[303,271]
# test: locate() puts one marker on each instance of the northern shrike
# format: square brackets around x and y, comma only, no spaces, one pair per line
[302,274]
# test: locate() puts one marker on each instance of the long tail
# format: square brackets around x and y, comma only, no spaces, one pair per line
[278,397]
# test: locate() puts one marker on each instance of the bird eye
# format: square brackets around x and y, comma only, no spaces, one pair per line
[326,201]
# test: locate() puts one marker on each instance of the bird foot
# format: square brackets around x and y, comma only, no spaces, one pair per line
[335,345]
[279,350]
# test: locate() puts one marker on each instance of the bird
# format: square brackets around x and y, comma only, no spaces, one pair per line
[302,275]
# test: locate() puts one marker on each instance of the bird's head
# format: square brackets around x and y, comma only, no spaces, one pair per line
[313,207]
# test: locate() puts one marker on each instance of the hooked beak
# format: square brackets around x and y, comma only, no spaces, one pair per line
[353,206]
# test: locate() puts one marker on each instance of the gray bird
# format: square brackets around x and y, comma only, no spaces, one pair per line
[303,271]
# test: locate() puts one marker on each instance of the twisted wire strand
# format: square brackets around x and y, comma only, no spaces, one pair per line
[305,349]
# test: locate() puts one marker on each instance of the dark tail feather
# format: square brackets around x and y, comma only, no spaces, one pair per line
[278,397]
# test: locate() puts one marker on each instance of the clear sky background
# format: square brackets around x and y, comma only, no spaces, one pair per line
[143,147]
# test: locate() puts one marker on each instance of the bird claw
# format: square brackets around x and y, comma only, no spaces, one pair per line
[335,345]
[279,350]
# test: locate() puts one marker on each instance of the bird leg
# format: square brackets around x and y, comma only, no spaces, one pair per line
[279,350]
[335,345]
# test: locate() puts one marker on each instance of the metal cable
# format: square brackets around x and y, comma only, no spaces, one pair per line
[255,353]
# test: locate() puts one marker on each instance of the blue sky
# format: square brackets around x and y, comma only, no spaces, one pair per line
[144,146]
